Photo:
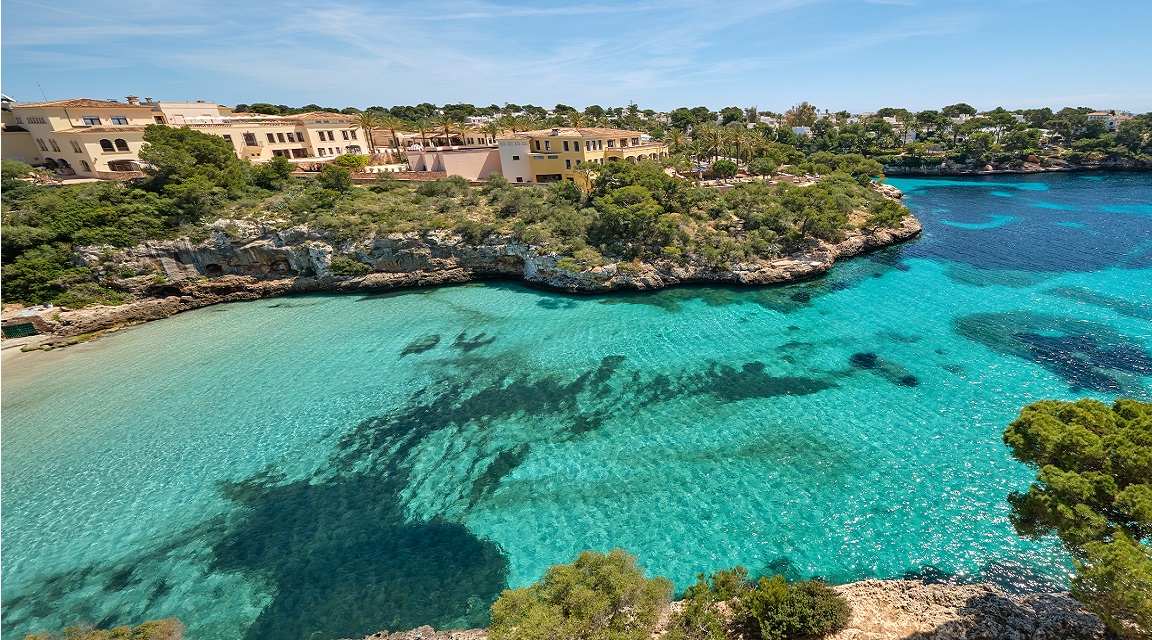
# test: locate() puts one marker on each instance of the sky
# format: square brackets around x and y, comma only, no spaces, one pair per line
[857,55]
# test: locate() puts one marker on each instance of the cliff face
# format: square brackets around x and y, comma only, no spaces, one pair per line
[244,261]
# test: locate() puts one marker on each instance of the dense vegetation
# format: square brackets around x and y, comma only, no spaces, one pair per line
[728,604]
[597,597]
[1094,491]
[628,212]
[170,629]
[607,597]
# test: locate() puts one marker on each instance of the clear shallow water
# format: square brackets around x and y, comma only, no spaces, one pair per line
[327,466]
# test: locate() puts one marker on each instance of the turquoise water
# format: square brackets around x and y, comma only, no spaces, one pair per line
[328,466]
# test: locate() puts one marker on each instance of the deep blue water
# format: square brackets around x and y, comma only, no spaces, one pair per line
[328,466]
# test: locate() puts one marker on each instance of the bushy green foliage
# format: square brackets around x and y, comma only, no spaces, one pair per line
[169,629]
[723,169]
[351,161]
[345,266]
[597,597]
[335,178]
[1094,491]
[776,610]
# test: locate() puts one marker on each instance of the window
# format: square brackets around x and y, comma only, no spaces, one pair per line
[345,134]
[250,140]
[611,144]
[635,141]
[119,120]
[106,145]
[568,164]
[553,157]
[519,178]
[291,137]
[91,121]
[271,137]
[331,138]
[515,157]
[547,145]
[40,143]
[566,145]
[19,120]
[37,120]
[76,146]
[280,137]
[537,145]
[587,145]
[227,137]
[353,134]
[85,167]
[158,119]
[52,141]
[121,144]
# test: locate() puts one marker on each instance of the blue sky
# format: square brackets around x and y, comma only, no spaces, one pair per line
[837,54]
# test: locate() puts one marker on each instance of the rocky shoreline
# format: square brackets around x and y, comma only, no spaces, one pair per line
[246,261]
[1030,166]
[914,610]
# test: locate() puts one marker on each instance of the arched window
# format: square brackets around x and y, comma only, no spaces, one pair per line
[106,145]
[84,165]
[121,144]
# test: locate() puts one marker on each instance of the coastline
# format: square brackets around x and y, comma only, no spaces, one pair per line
[261,259]
[905,609]
[947,169]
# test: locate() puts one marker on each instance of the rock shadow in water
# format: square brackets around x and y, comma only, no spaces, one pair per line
[752,381]
[886,369]
[420,345]
[1087,355]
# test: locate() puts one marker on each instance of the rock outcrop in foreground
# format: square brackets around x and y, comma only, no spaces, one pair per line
[246,261]
[913,610]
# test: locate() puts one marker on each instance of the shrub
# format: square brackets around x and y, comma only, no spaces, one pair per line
[351,161]
[597,597]
[701,617]
[345,266]
[762,167]
[335,178]
[777,610]
[170,629]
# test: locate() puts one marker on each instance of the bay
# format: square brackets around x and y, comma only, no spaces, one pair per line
[328,466]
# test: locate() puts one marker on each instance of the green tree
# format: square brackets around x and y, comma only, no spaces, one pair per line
[1094,491]
[272,174]
[335,178]
[723,169]
[801,115]
[175,153]
[763,166]
[958,109]
[597,597]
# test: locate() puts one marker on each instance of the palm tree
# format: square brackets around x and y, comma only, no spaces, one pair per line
[424,126]
[447,123]
[676,140]
[492,129]
[737,134]
[577,119]
[711,137]
[392,123]
[368,120]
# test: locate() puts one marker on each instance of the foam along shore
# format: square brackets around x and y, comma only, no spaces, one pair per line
[261,262]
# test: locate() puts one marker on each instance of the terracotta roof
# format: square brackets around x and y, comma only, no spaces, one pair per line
[321,115]
[84,103]
[583,132]
[120,129]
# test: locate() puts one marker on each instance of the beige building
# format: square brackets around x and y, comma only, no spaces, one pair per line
[473,163]
[102,138]
[551,155]
[80,137]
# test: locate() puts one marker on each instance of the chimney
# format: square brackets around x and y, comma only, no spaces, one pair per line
[555,132]
[148,100]
[134,100]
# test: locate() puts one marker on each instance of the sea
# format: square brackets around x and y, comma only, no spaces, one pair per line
[317,467]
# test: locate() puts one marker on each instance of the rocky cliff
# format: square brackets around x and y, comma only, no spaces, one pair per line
[243,261]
